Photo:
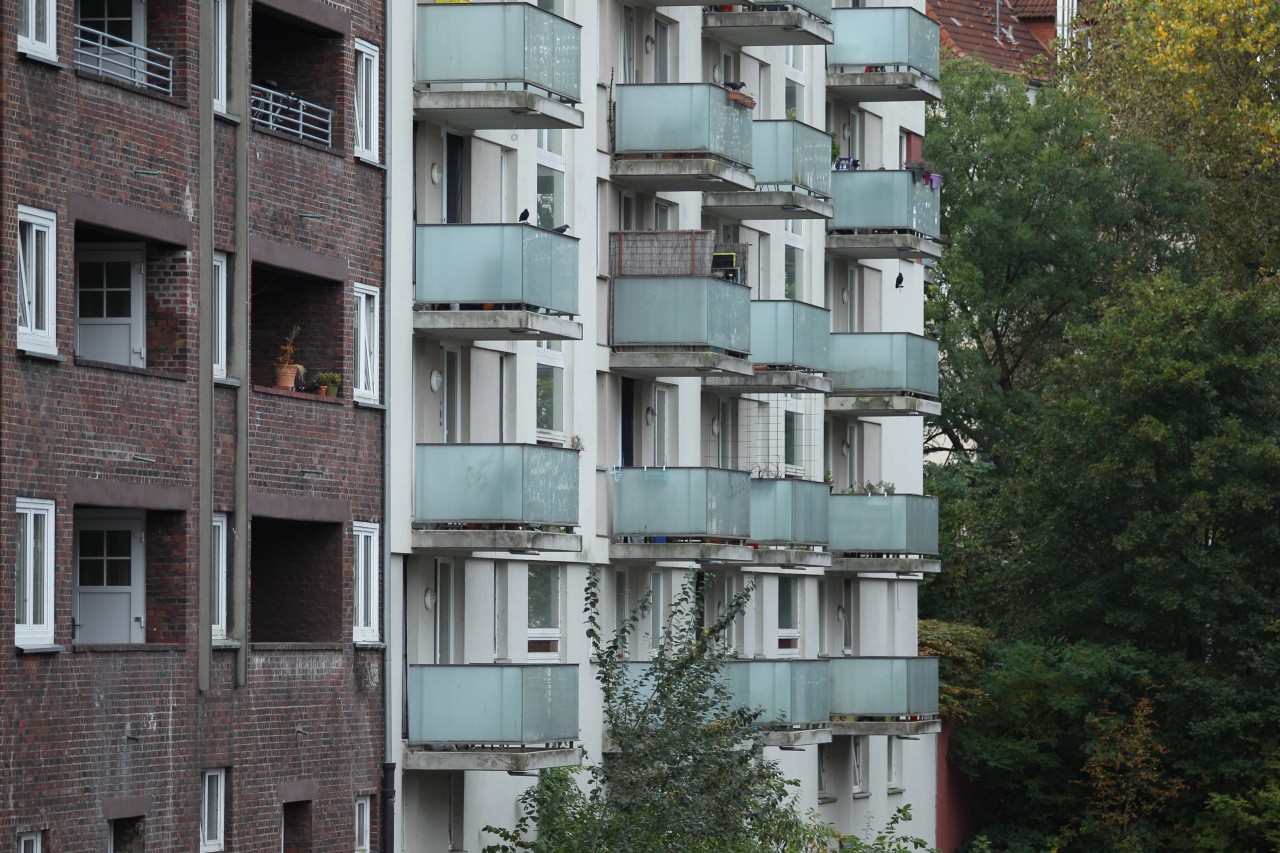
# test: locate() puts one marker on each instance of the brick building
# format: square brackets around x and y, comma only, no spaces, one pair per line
[192,556]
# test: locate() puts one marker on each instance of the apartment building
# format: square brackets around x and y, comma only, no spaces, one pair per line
[193,545]
[717,370]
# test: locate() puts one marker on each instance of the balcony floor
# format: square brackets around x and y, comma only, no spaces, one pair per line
[770,382]
[471,541]
[680,173]
[905,728]
[883,246]
[789,737]
[495,325]
[511,760]
[707,554]
[792,558]
[760,29]
[649,364]
[767,204]
[502,109]
[884,565]
[882,86]
[882,405]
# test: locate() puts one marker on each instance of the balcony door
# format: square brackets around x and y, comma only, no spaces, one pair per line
[110,304]
[110,579]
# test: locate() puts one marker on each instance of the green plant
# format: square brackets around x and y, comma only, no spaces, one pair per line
[329,378]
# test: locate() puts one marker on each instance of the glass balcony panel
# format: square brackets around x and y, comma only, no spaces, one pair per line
[790,512]
[681,311]
[791,153]
[884,524]
[884,201]
[681,502]
[516,45]
[897,39]
[817,8]
[496,484]
[682,118]
[787,691]
[884,687]
[790,334]
[884,361]
[497,704]
[498,264]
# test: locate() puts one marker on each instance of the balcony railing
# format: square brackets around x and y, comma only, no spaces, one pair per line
[884,687]
[504,45]
[884,524]
[788,691]
[498,266]
[885,201]
[788,154]
[290,115]
[682,118]
[884,362]
[496,484]
[884,40]
[124,60]
[681,503]
[786,333]
[493,704]
[790,512]
[680,311]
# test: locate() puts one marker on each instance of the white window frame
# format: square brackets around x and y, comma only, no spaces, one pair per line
[790,635]
[218,587]
[553,635]
[368,333]
[221,28]
[858,764]
[38,287]
[365,600]
[219,314]
[550,354]
[657,613]
[366,102]
[893,764]
[44,45]
[213,826]
[30,842]
[363,822]
[31,628]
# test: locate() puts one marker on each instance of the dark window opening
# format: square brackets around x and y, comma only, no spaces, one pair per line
[296,581]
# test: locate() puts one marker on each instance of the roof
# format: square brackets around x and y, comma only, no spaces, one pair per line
[1035,8]
[968,28]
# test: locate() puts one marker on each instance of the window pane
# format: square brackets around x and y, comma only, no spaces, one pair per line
[550,198]
[39,266]
[550,403]
[23,605]
[544,597]
[787,604]
[37,569]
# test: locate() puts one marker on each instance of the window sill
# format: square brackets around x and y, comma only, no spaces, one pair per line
[41,355]
[42,59]
[370,645]
[370,162]
[369,404]
[896,790]
[824,800]
[226,645]
[297,647]
[301,395]
[861,795]
[229,118]
[127,647]
[226,382]
[40,649]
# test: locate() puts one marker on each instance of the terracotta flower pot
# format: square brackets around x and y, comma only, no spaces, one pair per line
[286,375]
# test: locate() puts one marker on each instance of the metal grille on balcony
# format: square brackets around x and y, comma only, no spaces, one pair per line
[291,115]
[110,56]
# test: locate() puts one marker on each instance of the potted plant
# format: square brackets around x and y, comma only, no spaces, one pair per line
[288,371]
[327,383]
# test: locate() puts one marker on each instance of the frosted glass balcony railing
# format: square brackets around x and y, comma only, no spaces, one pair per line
[493,703]
[787,333]
[789,691]
[818,8]
[681,503]
[884,201]
[884,687]
[900,362]
[496,484]
[884,524]
[790,512]
[692,311]
[497,265]
[880,40]
[791,154]
[510,45]
[682,118]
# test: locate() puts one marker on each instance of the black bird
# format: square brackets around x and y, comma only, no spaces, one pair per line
[735,86]
[524,215]
[897,282]
[562,228]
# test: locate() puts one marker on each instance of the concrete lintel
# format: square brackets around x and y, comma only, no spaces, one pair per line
[656,363]
[470,541]
[680,174]
[767,204]
[884,565]
[761,29]
[706,554]
[771,382]
[906,728]
[883,246]
[500,325]
[513,760]
[883,86]
[881,405]
[797,737]
[503,109]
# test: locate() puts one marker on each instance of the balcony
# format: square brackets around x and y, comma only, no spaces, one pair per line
[123,61]
[794,695]
[792,165]
[691,514]
[889,214]
[289,115]
[497,66]
[511,717]
[884,533]
[878,374]
[667,325]
[674,137]
[790,348]
[807,22]
[495,497]
[884,696]
[496,282]
[789,518]
[884,54]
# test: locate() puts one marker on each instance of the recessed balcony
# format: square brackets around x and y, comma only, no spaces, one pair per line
[884,696]
[872,534]
[884,215]
[123,61]
[807,22]
[496,282]
[668,325]
[495,497]
[512,717]
[883,54]
[698,515]
[795,696]
[878,374]
[681,137]
[792,164]
[790,349]
[497,66]
[789,519]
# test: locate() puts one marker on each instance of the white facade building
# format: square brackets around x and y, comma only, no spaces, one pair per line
[727,338]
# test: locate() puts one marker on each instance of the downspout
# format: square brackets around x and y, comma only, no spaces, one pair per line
[391,736]
[204,350]
[238,90]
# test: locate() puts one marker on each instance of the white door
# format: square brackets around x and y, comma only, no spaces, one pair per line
[110,306]
[110,580]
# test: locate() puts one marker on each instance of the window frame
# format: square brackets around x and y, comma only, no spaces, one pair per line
[791,605]
[550,355]
[365,592]
[38,294]
[367,343]
[363,823]
[553,635]
[858,765]
[365,101]
[221,29]
[46,48]
[135,254]
[35,632]
[36,837]
[220,337]
[893,765]
[217,842]
[218,621]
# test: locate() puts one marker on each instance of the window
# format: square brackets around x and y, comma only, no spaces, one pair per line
[219,315]
[791,437]
[37,277]
[366,101]
[544,612]
[661,51]
[34,623]
[893,764]
[212,814]
[110,579]
[218,584]
[38,34]
[793,261]
[550,391]
[367,333]
[220,46]
[824,624]
[847,616]
[628,46]
[859,762]
[788,616]
[662,216]
[793,93]
[362,825]
[110,297]
[29,842]
[365,620]
[656,621]
[621,615]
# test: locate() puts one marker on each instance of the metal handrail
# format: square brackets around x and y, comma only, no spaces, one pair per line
[111,56]
[288,114]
